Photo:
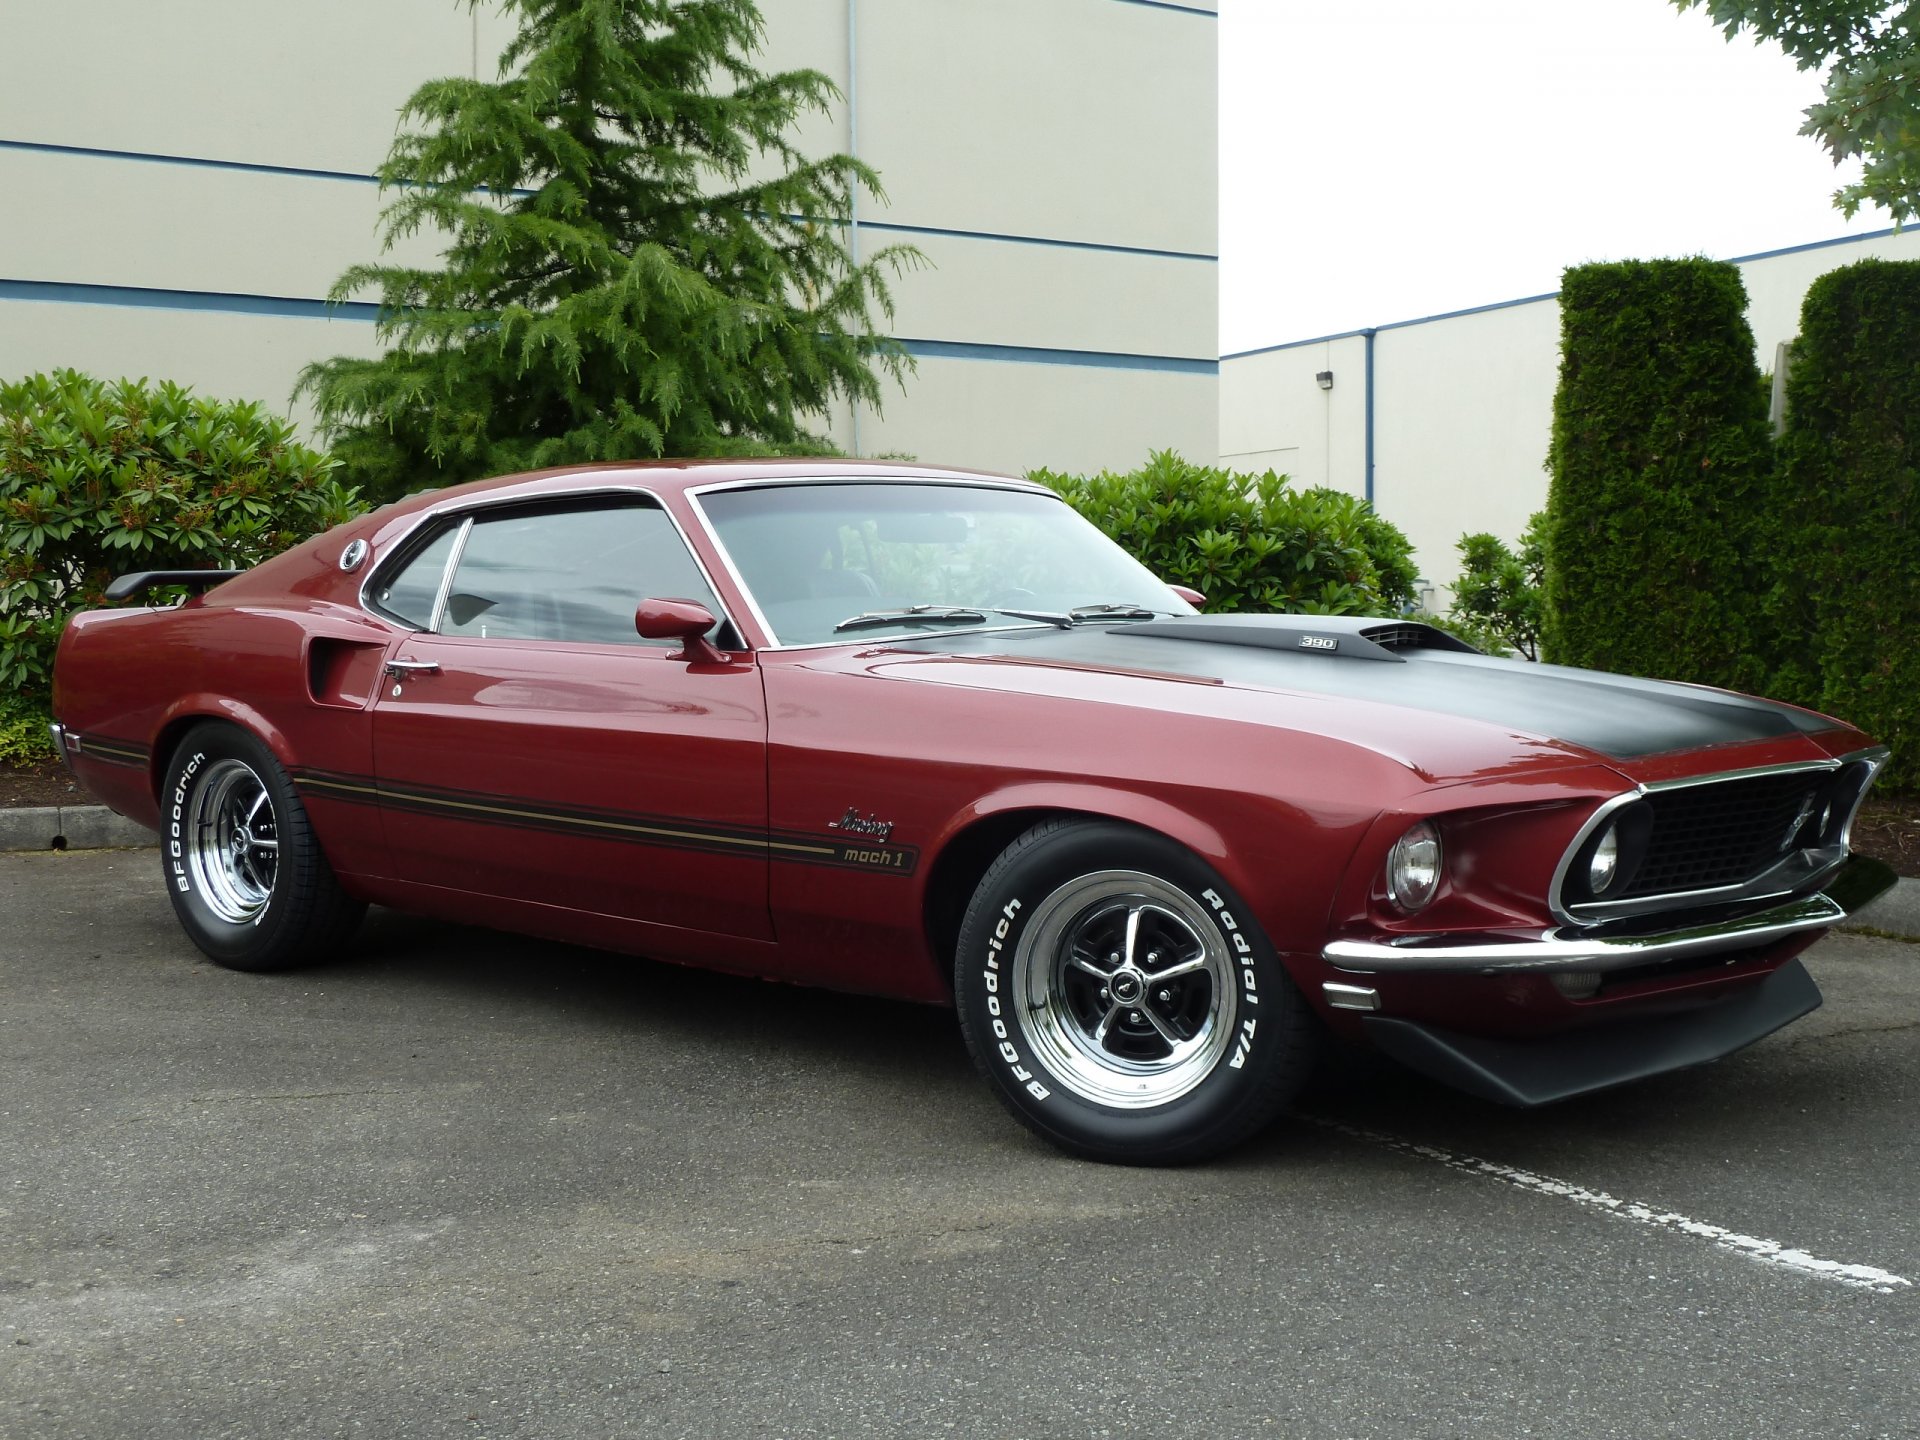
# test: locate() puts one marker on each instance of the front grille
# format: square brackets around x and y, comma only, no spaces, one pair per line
[1725,833]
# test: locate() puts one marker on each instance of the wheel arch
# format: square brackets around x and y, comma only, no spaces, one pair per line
[978,836]
[193,710]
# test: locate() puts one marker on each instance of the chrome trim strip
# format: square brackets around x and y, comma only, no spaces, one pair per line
[454,555]
[1875,757]
[1794,871]
[1686,782]
[1860,881]
[1761,887]
[1594,822]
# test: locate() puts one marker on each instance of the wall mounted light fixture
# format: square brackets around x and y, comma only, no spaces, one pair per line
[1324,378]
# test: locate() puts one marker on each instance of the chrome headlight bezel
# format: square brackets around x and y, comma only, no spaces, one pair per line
[1415,867]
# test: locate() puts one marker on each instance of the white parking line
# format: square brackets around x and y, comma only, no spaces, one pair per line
[1769,1252]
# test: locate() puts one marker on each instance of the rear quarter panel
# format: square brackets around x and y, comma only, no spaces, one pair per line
[131,683]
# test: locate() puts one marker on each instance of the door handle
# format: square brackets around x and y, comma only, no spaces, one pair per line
[401,669]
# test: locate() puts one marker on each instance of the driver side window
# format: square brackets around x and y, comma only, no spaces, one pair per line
[569,574]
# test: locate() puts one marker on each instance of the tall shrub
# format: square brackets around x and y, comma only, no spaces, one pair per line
[639,258]
[1248,542]
[1659,459]
[97,479]
[1850,529]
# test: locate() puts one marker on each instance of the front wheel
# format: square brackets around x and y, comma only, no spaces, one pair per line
[1121,1001]
[243,868]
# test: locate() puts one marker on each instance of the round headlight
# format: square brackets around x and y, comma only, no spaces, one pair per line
[1413,867]
[1605,864]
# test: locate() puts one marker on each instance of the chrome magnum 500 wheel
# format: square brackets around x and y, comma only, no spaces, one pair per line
[1121,1001]
[246,876]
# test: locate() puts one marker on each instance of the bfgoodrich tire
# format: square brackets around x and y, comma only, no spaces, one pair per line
[246,876]
[1120,1000]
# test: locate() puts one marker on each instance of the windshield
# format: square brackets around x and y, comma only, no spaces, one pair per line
[865,558]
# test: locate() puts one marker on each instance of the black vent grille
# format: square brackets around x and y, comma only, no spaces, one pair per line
[1414,635]
[1396,637]
[1724,833]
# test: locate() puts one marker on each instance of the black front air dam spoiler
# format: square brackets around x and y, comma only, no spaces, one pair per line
[1558,1067]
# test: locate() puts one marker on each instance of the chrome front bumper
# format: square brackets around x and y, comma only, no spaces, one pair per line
[1849,889]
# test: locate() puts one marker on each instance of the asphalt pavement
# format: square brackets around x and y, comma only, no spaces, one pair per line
[461,1184]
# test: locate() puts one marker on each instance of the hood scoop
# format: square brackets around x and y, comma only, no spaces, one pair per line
[1353,637]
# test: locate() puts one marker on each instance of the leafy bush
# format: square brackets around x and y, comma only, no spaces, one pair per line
[97,479]
[1248,542]
[1496,600]
[23,732]
[1846,533]
[1660,459]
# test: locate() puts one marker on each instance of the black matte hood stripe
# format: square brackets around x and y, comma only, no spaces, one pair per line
[1616,716]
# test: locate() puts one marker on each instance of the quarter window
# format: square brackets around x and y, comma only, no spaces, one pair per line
[410,594]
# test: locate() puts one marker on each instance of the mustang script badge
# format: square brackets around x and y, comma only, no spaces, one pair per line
[852,824]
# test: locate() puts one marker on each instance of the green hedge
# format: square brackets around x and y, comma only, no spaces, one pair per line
[97,479]
[1660,458]
[1848,530]
[1248,542]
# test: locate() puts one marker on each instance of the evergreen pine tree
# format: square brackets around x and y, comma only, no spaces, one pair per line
[639,261]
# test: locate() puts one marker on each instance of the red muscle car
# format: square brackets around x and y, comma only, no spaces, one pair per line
[928,734]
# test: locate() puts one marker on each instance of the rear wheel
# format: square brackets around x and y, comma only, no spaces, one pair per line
[244,871]
[1121,1002]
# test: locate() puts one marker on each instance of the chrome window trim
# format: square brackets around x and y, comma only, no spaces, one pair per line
[454,556]
[1767,885]
[473,506]
[696,494]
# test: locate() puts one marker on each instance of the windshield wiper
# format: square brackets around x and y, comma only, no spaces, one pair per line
[1081,614]
[912,615]
[959,615]
[1045,617]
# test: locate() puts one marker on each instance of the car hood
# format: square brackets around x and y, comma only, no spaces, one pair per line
[1576,714]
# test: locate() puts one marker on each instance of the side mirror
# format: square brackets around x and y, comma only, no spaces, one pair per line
[1190,595]
[687,621]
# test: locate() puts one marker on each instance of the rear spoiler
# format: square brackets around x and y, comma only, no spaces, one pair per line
[125,587]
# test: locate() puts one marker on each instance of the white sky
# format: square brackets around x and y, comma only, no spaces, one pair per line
[1381,160]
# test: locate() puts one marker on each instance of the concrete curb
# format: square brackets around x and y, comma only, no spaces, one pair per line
[69,827]
[1897,912]
[94,827]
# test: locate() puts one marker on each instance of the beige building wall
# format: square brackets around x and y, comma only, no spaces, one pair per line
[183,182]
[1462,404]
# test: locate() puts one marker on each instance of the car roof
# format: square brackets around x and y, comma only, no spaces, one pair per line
[673,476]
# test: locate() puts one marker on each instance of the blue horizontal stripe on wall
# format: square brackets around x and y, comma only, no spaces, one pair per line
[1171,5]
[1038,355]
[61,292]
[244,167]
[248,167]
[877,225]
